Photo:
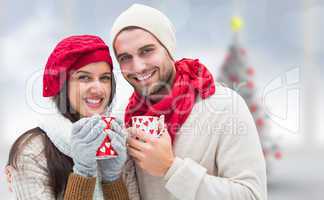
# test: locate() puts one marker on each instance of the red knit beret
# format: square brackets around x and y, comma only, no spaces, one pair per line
[72,52]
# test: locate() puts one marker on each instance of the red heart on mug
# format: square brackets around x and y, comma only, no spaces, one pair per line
[105,149]
[146,123]
[112,152]
[152,131]
[137,125]
[140,120]
[151,119]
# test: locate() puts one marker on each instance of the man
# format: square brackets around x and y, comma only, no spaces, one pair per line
[210,147]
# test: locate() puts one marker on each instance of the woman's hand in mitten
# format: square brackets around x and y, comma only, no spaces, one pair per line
[85,140]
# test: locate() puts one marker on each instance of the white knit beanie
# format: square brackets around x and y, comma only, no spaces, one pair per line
[149,19]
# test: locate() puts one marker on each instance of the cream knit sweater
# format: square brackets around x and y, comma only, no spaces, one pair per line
[218,155]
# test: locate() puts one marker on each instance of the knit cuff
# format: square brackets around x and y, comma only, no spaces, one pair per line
[79,187]
[83,171]
[186,179]
[115,190]
[177,163]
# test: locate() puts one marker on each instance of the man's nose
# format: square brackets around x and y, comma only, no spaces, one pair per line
[139,65]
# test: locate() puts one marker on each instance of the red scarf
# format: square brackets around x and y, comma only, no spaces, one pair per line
[192,80]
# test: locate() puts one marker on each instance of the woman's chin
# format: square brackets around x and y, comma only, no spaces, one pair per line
[91,112]
[88,111]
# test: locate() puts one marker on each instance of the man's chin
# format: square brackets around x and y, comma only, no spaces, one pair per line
[153,94]
[157,95]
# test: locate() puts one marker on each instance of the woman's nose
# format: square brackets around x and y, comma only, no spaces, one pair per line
[96,87]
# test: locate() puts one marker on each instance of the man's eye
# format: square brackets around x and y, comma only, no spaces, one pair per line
[145,51]
[124,58]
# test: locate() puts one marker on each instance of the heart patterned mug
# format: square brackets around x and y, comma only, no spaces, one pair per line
[148,124]
[105,150]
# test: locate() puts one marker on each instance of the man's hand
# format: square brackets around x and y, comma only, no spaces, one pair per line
[154,155]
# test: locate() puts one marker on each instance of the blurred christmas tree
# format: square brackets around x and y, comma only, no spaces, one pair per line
[237,74]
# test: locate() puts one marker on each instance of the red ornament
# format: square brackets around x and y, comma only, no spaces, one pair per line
[278,155]
[242,51]
[227,57]
[253,108]
[250,84]
[233,78]
[259,122]
[250,71]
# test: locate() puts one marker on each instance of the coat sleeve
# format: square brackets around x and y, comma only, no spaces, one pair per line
[30,179]
[240,166]
[130,180]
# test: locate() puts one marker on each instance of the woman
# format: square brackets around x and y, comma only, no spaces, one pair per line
[45,164]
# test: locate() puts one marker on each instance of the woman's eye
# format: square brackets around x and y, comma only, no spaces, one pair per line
[105,78]
[84,78]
